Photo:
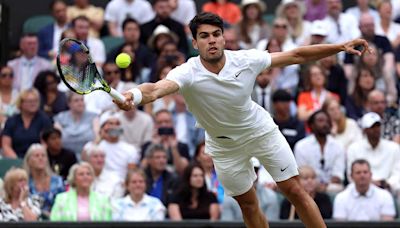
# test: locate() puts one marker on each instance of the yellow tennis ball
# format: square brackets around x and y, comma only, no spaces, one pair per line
[123,60]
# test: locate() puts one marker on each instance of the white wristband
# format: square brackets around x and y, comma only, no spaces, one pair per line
[137,95]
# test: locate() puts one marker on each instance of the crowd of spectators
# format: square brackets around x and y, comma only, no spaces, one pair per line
[85,160]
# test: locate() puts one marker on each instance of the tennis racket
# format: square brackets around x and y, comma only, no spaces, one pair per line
[79,72]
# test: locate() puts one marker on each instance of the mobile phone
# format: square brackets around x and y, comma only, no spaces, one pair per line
[166,131]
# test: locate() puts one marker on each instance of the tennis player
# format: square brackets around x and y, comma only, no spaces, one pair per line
[217,86]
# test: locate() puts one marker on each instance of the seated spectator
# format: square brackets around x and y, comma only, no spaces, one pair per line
[159,37]
[387,27]
[323,153]
[308,179]
[42,182]
[185,123]
[294,11]
[23,129]
[356,103]
[77,124]
[288,124]
[362,200]
[95,15]
[137,125]
[60,159]
[315,93]
[108,184]
[193,200]
[231,39]
[165,134]
[390,118]
[95,101]
[120,156]
[212,182]
[363,7]
[336,80]
[264,87]
[52,101]
[268,201]
[163,12]
[318,33]
[227,10]
[183,11]
[18,205]
[49,35]
[117,11]
[143,62]
[382,155]
[344,130]
[28,66]
[137,205]
[81,25]
[315,10]
[8,95]
[160,182]
[252,28]
[80,203]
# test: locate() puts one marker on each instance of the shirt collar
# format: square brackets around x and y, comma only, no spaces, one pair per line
[368,194]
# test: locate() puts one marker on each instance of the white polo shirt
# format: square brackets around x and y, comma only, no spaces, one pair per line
[222,102]
[148,209]
[350,205]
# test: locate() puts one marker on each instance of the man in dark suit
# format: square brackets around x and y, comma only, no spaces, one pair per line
[50,35]
[163,16]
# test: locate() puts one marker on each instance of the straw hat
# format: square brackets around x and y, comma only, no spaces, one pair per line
[262,4]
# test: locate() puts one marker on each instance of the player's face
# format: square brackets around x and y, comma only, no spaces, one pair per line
[210,43]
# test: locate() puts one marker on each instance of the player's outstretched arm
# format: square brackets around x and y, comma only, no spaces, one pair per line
[314,52]
[146,93]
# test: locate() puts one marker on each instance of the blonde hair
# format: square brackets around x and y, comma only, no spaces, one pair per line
[29,152]
[11,178]
[132,172]
[24,94]
[72,171]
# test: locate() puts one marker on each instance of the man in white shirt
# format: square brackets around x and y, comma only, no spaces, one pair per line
[120,156]
[322,152]
[118,10]
[217,86]
[341,26]
[383,155]
[363,7]
[362,200]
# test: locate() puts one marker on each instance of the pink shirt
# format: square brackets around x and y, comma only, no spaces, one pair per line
[83,209]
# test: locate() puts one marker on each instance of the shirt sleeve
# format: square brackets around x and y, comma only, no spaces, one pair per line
[110,14]
[339,211]
[388,207]
[259,60]
[9,127]
[181,75]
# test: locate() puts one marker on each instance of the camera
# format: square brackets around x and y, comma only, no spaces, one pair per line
[166,131]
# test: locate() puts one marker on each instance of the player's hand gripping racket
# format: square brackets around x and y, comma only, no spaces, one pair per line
[79,72]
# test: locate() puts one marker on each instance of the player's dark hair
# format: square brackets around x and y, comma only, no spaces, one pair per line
[185,190]
[127,21]
[46,133]
[205,18]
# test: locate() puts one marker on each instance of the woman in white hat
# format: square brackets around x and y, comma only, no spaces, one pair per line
[252,27]
[294,11]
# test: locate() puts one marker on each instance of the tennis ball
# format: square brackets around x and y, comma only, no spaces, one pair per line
[123,60]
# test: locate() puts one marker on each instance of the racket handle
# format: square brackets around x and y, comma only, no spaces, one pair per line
[117,95]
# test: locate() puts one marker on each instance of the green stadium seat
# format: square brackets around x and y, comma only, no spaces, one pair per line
[7,163]
[269,18]
[35,23]
[111,42]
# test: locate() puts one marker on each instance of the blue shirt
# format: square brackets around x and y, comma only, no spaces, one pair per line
[158,188]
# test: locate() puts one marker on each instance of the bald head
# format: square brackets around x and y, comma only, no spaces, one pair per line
[367,26]
[376,102]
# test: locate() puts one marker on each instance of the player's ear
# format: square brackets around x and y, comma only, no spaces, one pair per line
[194,43]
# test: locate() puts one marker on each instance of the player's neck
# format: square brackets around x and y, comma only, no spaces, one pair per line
[214,67]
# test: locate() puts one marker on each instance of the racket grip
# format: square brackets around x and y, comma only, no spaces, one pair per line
[117,95]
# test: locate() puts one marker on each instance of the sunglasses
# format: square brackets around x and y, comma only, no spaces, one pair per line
[112,72]
[280,26]
[3,75]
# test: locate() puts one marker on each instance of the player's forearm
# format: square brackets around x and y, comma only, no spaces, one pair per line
[153,91]
[315,52]
[148,93]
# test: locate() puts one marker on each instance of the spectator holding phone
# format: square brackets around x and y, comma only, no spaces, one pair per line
[178,152]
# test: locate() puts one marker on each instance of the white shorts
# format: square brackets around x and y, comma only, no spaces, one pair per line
[233,166]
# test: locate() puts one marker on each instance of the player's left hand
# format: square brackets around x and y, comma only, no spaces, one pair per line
[352,47]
